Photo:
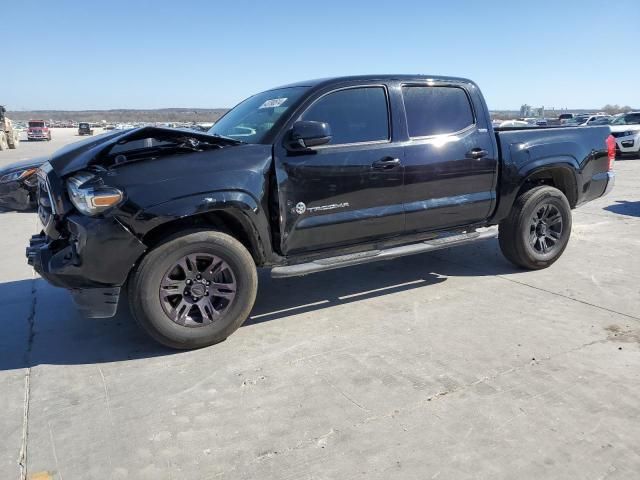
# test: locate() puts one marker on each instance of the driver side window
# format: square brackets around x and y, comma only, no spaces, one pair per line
[355,115]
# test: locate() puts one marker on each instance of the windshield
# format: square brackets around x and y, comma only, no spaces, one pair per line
[36,124]
[628,119]
[251,120]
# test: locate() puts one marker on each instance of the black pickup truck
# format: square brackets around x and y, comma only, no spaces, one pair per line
[308,177]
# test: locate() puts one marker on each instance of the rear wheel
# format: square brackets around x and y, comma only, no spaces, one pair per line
[194,290]
[537,230]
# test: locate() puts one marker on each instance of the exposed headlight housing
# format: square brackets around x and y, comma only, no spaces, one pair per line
[89,197]
[19,175]
[628,133]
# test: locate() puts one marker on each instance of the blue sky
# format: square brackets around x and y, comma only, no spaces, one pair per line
[154,54]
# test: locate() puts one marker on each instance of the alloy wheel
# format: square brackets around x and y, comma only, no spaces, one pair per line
[545,229]
[197,290]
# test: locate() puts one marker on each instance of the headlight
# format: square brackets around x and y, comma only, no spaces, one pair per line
[89,197]
[628,133]
[19,175]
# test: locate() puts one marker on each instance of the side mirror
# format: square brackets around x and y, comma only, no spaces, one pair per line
[306,134]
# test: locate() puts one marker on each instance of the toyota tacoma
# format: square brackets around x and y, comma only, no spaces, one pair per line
[303,178]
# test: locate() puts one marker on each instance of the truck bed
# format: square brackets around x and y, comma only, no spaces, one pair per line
[527,150]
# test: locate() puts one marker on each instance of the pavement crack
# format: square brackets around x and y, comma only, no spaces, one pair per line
[347,397]
[22,457]
[584,302]
[106,396]
[53,450]
[503,277]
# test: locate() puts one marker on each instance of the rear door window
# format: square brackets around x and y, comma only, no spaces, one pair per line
[433,110]
[355,115]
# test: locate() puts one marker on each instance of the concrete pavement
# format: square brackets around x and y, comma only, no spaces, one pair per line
[447,365]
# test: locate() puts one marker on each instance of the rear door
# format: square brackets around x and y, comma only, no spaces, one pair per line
[350,190]
[450,160]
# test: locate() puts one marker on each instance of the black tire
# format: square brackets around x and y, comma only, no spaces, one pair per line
[145,283]
[522,236]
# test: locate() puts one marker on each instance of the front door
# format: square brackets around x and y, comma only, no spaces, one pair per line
[450,162]
[350,190]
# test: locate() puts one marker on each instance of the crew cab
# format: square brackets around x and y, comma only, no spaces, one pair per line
[38,130]
[303,178]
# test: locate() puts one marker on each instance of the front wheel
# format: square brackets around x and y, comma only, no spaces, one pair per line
[537,230]
[193,290]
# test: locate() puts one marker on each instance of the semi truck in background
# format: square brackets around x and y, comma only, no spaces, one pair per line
[9,137]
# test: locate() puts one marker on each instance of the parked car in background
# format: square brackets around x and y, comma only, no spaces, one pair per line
[578,120]
[594,118]
[563,117]
[38,130]
[626,130]
[18,185]
[512,124]
[600,120]
[84,128]
[304,178]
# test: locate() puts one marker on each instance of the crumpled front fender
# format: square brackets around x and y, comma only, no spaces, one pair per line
[241,206]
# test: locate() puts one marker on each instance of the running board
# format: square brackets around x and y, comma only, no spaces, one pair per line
[387,254]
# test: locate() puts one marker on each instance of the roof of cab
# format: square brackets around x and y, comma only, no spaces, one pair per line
[322,82]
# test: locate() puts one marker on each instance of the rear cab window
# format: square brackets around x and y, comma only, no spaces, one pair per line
[436,110]
[354,114]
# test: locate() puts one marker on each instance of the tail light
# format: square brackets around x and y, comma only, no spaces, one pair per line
[611,150]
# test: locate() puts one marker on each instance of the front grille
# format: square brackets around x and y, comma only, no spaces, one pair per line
[45,203]
[618,134]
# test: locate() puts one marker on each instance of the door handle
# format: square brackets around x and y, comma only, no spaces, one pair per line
[477,153]
[386,163]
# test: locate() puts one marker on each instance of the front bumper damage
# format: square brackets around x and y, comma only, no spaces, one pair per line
[92,261]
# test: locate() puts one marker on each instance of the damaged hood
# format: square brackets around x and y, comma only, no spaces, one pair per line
[79,155]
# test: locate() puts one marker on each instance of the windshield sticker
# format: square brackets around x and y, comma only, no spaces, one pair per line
[273,103]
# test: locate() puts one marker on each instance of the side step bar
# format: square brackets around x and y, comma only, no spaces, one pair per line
[376,255]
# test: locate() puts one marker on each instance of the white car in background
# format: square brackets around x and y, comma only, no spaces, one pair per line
[514,123]
[595,118]
[626,130]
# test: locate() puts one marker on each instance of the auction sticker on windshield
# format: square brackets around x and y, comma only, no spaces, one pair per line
[273,103]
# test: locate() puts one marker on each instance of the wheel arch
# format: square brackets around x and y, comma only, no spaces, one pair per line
[235,213]
[559,175]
